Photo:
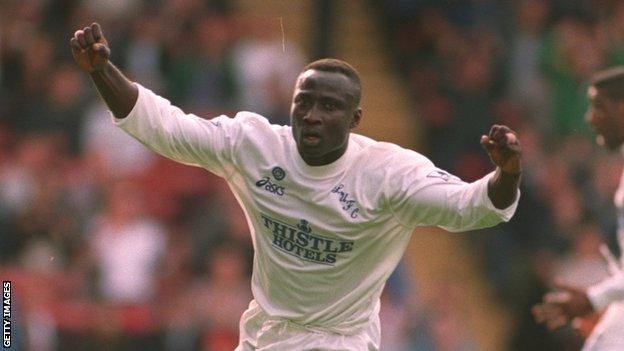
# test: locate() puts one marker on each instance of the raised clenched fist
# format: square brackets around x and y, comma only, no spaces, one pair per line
[504,149]
[90,48]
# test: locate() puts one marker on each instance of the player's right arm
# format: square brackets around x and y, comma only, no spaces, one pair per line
[91,52]
[152,119]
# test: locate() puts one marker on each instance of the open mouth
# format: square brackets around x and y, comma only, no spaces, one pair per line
[311,136]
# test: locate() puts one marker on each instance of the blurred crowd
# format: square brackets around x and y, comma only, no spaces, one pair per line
[108,246]
[111,247]
[526,63]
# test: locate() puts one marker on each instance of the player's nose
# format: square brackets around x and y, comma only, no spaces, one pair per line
[313,115]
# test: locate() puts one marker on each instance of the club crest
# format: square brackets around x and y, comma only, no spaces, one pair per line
[278,173]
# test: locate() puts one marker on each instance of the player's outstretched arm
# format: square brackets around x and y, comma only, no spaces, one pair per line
[505,151]
[91,52]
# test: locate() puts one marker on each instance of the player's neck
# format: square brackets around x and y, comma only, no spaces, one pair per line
[325,159]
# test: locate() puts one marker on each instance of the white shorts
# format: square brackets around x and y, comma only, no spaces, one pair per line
[608,335]
[260,332]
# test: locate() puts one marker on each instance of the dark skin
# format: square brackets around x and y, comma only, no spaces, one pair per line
[505,151]
[560,308]
[606,117]
[91,52]
[324,110]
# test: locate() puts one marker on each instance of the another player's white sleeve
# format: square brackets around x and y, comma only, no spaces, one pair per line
[182,137]
[604,293]
[423,195]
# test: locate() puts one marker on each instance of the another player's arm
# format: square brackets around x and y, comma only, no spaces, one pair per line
[505,151]
[559,308]
[91,52]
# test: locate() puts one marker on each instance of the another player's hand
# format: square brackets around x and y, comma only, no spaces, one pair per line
[504,149]
[560,308]
[90,48]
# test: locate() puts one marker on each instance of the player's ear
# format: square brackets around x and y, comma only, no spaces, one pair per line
[356,118]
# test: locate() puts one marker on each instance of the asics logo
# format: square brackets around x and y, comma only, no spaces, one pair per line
[270,186]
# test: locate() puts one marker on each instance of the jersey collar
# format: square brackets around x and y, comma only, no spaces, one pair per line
[324,171]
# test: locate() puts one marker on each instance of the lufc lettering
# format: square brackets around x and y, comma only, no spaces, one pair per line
[299,241]
[348,203]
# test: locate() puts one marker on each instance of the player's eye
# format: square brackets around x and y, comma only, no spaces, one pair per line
[330,105]
[302,101]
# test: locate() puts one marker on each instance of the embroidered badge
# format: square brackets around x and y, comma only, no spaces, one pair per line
[278,173]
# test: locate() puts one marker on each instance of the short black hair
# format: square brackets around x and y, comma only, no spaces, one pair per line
[339,66]
[610,81]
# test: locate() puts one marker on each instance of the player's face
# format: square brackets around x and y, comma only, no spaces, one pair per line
[606,117]
[323,111]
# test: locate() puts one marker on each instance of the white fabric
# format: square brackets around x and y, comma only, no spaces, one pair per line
[261,332]
[326,238]
[608,335]
[609,294]
[606,292]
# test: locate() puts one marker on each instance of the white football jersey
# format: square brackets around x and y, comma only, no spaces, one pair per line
[608,335]
[326,238]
